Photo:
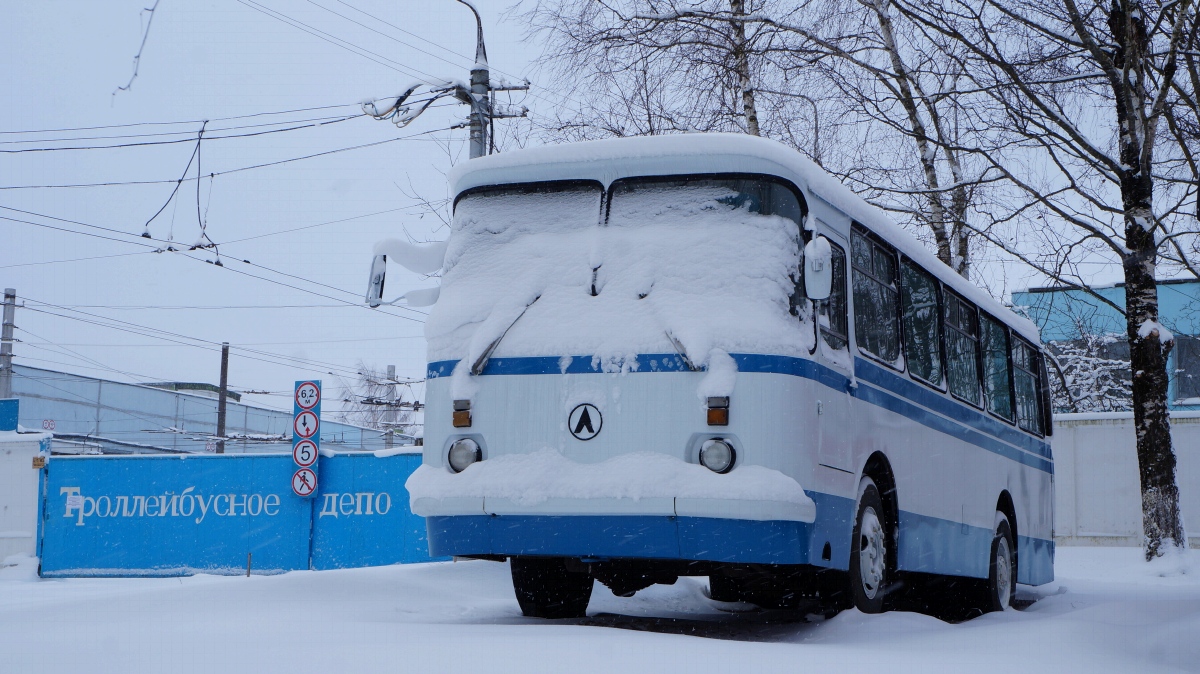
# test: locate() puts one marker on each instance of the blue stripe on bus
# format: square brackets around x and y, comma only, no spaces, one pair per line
[621,537]
[927,544]
[881,376]
[964,423]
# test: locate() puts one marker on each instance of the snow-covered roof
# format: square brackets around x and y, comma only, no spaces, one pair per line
[611,159]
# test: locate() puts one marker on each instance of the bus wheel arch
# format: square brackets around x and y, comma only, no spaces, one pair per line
[1004,505]
[875,529]
[879,469]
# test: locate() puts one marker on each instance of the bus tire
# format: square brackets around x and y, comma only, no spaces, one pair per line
[1002,573]
[869,574]
[546,588]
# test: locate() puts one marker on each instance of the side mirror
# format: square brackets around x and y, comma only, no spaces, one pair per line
[818,269]
[375,285]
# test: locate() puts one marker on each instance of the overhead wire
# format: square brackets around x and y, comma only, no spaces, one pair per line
[159,134]
[138,242]
[76,259]
[176,141]
[334,40]
[204,344]
[130,324]
[182,122]
[562,97]
[413,136]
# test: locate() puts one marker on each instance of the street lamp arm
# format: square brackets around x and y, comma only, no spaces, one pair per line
[480,50]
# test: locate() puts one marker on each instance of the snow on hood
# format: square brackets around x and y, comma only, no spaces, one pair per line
[679,262]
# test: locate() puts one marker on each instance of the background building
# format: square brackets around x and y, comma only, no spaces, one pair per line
[90,415]
[1089,336]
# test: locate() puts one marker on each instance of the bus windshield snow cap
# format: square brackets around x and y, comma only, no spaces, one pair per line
[422,259]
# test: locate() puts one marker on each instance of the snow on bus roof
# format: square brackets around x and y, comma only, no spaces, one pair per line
[608,160]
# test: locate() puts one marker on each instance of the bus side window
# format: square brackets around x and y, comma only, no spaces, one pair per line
[876,299]
[1025,378]
[962,348]
[996,382]
[832,313]
[922,323]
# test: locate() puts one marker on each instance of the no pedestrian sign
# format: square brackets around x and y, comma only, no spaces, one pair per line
[306,437]
[304,482]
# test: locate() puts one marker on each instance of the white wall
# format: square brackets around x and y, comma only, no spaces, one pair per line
[1097,498]
[18,492]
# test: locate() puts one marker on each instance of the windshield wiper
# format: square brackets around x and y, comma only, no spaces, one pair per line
[682,352]
[482,361]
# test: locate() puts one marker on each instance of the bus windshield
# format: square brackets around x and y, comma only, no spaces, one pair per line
[679,198]
[704,261]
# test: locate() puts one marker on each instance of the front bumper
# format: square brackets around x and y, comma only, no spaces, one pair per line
[672,537]
[718,508]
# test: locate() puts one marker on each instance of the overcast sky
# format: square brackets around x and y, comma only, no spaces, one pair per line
[302,317]
[205,61]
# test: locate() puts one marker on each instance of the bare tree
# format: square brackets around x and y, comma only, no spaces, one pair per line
[901,91]
[646,67]
[375,401]
[1077,96]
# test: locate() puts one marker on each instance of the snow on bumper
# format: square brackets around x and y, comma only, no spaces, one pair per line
[546,483]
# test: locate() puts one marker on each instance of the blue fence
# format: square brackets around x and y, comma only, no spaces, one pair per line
[177,515]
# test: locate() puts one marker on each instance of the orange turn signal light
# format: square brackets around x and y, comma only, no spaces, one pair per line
[718,411]
[462,413]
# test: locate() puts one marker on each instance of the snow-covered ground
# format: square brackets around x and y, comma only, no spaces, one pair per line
[1108,612]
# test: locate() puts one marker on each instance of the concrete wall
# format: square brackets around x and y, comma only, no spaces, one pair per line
[18,491]
[1097,498]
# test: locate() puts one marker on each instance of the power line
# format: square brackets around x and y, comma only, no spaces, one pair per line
[85,224]
[563,98]
[72,231]
[74,259]
[206,345]
[187,121]
[414,136]
[334,40]
[240,344]
[159,134]
[201,307]
[237,271]
[319,224]
[176,141]
[347,371]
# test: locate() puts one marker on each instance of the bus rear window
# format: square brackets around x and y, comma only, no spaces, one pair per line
[677,198]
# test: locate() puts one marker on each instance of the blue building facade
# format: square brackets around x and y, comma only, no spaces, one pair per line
[1063,315]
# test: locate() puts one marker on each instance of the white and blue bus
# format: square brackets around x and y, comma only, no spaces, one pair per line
[700,355]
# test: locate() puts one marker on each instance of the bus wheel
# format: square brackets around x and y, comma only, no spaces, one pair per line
[1002,573]
[868,551]
[545,588]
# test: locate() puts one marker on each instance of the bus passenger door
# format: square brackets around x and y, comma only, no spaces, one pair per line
[833,400]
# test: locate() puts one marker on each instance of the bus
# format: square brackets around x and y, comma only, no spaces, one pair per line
[701,355]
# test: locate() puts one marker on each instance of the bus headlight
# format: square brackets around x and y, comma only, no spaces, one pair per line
[463,453]
[717,455]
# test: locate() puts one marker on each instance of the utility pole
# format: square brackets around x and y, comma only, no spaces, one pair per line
[389,420]
[221,397]
[481,99]
[6,342]
[480,96]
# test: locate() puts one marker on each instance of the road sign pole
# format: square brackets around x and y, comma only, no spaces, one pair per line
[306,437]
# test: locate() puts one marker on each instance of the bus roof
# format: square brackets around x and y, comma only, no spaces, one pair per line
[608,160]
